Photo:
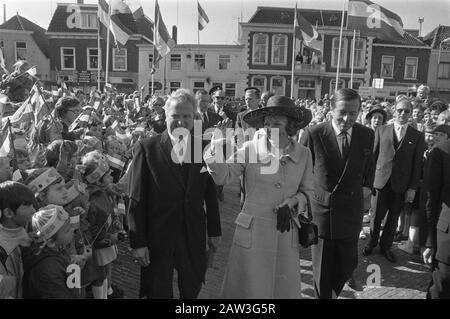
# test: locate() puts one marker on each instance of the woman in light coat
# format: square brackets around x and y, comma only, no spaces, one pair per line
[264,262]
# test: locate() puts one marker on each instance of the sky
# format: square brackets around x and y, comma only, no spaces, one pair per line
[224,15]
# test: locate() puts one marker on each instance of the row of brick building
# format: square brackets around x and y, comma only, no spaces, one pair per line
[263,58]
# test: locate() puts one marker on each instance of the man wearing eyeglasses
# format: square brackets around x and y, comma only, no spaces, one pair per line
[398,152]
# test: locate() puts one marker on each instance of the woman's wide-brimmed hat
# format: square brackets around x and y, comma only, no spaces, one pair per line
[279,105]
[377,109]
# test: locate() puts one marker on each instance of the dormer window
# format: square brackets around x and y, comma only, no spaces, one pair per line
[89,20]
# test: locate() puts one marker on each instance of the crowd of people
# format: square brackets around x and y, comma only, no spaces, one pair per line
[81,172]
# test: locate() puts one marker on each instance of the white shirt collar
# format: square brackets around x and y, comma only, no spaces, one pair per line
[397,126]
[337,130]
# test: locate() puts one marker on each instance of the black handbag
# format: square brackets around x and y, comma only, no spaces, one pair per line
[308,233]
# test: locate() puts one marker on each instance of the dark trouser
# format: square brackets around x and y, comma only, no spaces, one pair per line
[333,264]
[159,283]
[387,200]
[440,283]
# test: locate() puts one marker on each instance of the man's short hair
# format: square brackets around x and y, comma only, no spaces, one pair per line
[253,90]
[182,96]
[13,195]
[200,92]
[346,94]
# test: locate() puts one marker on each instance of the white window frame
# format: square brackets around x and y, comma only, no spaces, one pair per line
[260,77]
[199,81]
[173,88]
[363,55]
[266,53]
[87,27]
[393,65]
[196,65]
[177,56]
[343,61]
[99,56]
[442,73]
[150,65]
[114,60]
[228,63]
[278,78]
[417,66]
[285,49]
[74,59]
[230,89]
[15,49]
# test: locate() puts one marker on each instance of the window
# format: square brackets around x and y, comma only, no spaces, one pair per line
[21,51]
[279,49]
[175,62]
[359,56]
[119,59]
[199,62]
[174,86]
[341,85]
[198,86]
[68,58]
[444,70]
[277,86]
[259,82]
[89,21]
[92,58]
[260,48]
[224,61]
[307,84]
[387,66]
[230,89]
[411,68]
[150,61]
[335,53]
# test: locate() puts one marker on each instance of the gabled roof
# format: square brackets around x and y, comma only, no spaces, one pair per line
[20,23]
[408,39]
[145,27]
[435,37]
[277,15]
[59,19]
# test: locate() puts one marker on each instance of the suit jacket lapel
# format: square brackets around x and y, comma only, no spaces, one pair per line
[352,154]
[166,150]
[331,145]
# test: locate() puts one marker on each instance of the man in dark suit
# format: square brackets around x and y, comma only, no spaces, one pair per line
[343,177]
[168,188]
[252,99]
[438,220]
[209,118]
[398,154]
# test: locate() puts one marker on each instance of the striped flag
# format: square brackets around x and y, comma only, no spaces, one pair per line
[304,30]
[6,142]
[3,62]
[82,120]
[123,135]
[32,110]
[3,102]
[115,161]
[120,32]
[163,43]
[374,20]
[203,19]
[32,71]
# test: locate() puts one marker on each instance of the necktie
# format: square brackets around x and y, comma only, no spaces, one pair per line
[344,146]
[180,151]
[401,133]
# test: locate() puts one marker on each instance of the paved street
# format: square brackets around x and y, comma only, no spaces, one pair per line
[407,279]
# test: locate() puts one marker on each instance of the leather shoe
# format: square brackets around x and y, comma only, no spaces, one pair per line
[389,255]
[367,251]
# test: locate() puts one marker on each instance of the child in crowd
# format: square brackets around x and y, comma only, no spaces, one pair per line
[16,210]
[46,262]
[104,222]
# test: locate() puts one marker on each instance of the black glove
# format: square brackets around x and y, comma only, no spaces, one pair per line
[284,218]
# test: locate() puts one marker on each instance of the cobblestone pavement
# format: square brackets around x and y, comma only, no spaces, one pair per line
[406,279]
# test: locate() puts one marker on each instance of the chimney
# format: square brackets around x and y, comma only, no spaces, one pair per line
[4,12]
[80,1]
[174,33]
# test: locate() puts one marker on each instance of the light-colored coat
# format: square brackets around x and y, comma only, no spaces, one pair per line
[263,262]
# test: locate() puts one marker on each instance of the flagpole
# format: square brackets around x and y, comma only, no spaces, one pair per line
[99,62]
[340,46]
[353,59]
[107,44]
[293,53]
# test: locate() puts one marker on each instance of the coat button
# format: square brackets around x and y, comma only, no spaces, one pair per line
[278,185]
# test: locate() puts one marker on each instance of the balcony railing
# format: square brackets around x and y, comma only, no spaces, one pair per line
[309,69]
